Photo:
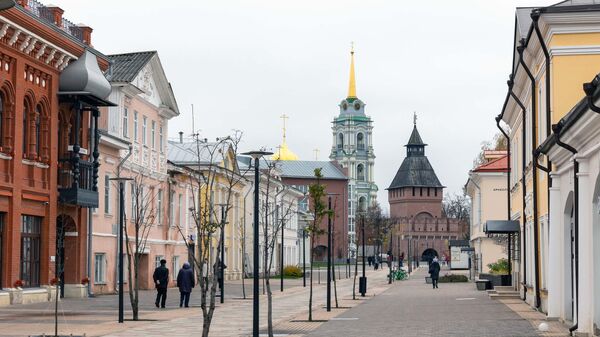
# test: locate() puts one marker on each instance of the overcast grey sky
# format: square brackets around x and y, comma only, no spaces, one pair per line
[244,63]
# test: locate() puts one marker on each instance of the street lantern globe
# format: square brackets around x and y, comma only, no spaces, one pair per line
[6,4]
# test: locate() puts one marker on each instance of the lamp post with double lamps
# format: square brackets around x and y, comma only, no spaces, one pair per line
[362,284]
[256,155]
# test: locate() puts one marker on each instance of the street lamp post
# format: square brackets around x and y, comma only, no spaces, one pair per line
[363,280]
[282,250]
[304,257]
[329,256]
[120,244]
[256,155]
[222,258]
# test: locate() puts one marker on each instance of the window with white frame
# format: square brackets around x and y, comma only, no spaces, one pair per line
[125,123]
[160,139]
[107,194]
[172,209]
[152,135]
[159,210]
[175,266]
[157,259]
[99,268]
[134,201]
[144,129]
[135,126]
[181,210]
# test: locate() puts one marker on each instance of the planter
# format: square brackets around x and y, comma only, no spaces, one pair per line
[428,280]
[482,284]
[16,295]
[497,280]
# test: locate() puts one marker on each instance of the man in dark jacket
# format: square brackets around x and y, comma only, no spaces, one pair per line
[185,283]
[161,281]
[434,271]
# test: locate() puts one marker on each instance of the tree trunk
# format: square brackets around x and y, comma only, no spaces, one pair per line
[355,274]
[269,307]
[335,287]
[310,296]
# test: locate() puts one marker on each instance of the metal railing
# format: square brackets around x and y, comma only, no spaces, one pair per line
[66,177]
[44,13]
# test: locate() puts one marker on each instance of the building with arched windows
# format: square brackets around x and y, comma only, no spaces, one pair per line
[353,150]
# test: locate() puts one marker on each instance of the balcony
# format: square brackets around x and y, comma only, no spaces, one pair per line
[78,192]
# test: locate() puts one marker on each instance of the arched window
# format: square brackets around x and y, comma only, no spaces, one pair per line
[26,131]
[360,172]
[362,204]
[38,129]
[1,119]
[340,141]
[360,141]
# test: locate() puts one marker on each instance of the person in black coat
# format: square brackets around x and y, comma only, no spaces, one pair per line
[161,281]
[434,271]
[185,283]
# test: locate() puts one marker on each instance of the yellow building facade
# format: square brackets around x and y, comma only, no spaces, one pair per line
[556,50]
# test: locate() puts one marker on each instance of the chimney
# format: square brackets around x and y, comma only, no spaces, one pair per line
[23,3]
[57,13]
[181,137]
[86,33]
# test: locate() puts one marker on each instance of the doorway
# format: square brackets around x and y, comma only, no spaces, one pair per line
[66,252]
[429,254]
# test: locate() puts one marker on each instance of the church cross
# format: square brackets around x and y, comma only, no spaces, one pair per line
[284,117]
[316,151]
[415,118]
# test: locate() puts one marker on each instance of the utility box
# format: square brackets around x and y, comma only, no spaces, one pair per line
[362,285]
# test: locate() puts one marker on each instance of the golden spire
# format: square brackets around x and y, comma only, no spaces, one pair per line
[283,152]
[352,85]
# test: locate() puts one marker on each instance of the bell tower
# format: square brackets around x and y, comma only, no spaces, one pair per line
[352,148]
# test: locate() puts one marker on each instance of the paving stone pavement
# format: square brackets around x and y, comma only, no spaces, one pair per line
[413,308]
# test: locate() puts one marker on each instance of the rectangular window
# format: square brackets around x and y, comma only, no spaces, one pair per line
[152,135]
[413,191]
[427,191]
[420,191]
[107,194]
[135,126]
[175,266]
[100,268]
[160,139]
[181,210]
[125,123]
[159,210]
[144,129]
[134,199]
[172,209]
[31,227]
[157,259]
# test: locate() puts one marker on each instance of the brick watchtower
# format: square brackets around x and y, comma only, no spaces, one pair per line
[415,195]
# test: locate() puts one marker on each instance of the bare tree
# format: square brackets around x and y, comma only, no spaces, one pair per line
[213,169]
[274,207]
[143,218]
[319,211]
[458,207]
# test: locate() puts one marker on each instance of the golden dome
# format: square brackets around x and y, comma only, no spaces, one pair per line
[283,152]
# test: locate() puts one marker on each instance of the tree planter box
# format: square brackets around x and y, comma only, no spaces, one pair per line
[482,284]
[497,280]
[4,298]
[428,280]
[16,295]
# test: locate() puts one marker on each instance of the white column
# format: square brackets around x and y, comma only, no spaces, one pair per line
[554,248]
[586,256]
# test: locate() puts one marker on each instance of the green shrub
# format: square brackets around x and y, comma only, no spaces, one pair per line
[292,271]
[499,267]
[450,278]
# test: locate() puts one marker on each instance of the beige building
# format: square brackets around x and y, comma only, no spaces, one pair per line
[487,189]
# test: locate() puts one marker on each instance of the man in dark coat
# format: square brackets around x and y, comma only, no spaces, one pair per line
[185,283]
[434,271]
[161,281]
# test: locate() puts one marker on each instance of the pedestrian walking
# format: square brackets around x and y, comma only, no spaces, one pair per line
[161,281]
[370,260]
[434,271]
[185,283]
[219,272]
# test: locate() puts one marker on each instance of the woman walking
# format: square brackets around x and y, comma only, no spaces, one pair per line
[185,283]
[434,271]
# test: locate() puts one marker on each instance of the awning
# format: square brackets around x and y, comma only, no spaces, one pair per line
[501,227]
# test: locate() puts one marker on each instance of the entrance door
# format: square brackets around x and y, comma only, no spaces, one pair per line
[66,251]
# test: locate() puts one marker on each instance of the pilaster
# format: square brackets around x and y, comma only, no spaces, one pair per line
[585,256]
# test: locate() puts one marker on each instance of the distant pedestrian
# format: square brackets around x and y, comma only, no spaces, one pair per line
[219,273]
[185,283]
[434,271]
[370,260]
[161,281]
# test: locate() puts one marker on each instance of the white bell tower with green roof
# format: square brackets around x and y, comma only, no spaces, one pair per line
[353,150]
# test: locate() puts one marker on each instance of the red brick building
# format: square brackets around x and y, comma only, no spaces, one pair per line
[51,84]
[301,174]
[421,230]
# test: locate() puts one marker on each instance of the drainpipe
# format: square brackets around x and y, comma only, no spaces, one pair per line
[498,119]
[520,50]
[523,185]
[557,129]
[589,89]
[119,166]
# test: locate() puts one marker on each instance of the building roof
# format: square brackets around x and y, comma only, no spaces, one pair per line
[496,165]
[84,77]
[415,171]
[415,138]
[189,153]
[125,67]
[306,169]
